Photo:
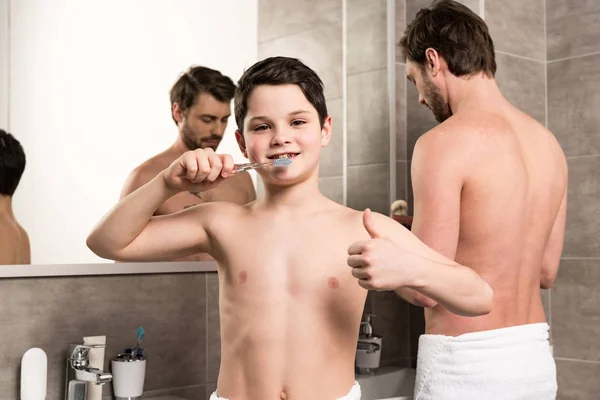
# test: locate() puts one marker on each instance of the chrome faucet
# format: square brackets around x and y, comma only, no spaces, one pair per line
[79,360]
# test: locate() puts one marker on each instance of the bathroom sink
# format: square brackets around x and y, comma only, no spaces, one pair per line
[388,383]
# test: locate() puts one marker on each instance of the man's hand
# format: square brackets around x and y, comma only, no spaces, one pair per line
[198,170]
[375,262]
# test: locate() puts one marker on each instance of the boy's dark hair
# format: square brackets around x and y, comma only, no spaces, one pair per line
[456,33]
[12,163]
[279,71]
[201,80]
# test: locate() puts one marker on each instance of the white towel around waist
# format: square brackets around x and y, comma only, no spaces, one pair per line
[513,363]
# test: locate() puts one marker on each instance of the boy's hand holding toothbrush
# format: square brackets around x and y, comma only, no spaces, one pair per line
[198,170]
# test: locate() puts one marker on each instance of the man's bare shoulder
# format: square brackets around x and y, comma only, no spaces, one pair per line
[145,172]
[448,147]
[241,182]
[456,132]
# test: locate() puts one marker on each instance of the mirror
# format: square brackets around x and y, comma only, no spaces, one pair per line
[87,95]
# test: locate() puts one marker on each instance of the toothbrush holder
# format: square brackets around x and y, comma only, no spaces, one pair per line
[128,376]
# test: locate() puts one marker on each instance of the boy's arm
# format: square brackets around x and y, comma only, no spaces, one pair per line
[129,232]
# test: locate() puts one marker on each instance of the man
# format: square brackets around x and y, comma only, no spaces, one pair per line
[14,242]
[200,107]
[290,306]
[490,186]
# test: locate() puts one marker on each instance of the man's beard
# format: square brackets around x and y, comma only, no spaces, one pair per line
[194,143]
[438,106]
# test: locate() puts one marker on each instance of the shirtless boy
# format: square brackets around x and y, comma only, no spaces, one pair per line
[200,107]
[290,306]
[14,242]
[489,192]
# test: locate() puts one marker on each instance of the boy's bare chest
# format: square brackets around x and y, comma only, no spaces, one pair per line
[298,258]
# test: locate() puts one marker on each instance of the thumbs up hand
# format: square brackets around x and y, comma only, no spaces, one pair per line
[375,262]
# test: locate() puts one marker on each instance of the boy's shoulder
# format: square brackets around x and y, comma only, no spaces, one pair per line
[344,217]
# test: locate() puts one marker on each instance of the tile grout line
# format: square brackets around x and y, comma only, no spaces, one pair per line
[546,56]
[206,322]
[261,42]
[391,84]
[8,64]
[375,164]
[520,57]
[405,97]
[584,156]
[577,360]
[344,103]
[595,53]
[368,71]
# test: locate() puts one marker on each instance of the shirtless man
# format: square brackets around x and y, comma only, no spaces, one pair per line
[200,107]
[290,307]
[14,242]
[490,188]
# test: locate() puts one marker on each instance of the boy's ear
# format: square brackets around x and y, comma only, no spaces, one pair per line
[241,142]
[326,132]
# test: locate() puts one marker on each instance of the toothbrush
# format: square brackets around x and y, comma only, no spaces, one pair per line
[279,162]
[140,336]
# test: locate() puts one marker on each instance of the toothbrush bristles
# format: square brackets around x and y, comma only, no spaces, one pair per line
[282,162]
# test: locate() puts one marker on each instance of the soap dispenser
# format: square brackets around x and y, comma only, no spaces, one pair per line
[368,349]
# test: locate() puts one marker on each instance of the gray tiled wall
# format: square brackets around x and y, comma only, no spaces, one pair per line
[50,313]
[573,57]
[368,110]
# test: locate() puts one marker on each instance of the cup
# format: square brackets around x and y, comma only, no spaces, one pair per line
[128,376]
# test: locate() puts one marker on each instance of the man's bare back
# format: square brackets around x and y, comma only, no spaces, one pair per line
[14,242]
[289,302]
[514,178]
[238,189]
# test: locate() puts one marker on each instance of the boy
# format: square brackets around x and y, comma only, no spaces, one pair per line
[290,306]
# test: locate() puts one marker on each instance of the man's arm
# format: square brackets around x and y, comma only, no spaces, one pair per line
[437,185]
[397,258]
[554,247]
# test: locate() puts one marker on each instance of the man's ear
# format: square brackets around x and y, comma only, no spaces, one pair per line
[177,113]
[326,132]
[241,142]
[433,63]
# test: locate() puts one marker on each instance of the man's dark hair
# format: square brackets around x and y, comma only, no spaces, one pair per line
[12,163]
[201,80]
[279,71]
[456,33]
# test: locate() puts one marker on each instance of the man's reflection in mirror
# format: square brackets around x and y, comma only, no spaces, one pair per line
[14,242]
[200,107]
